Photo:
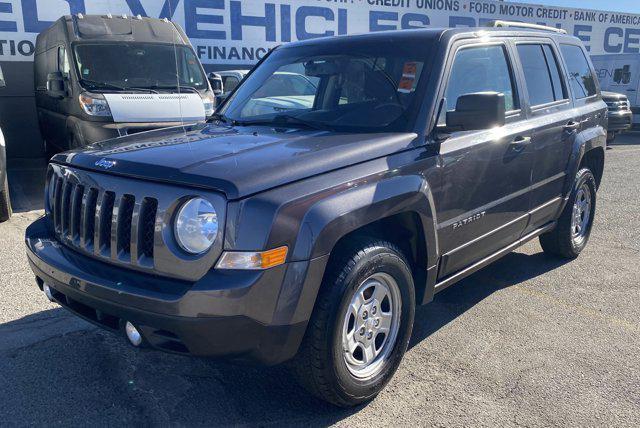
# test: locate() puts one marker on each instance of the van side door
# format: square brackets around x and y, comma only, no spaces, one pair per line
[483,200]
[554,124]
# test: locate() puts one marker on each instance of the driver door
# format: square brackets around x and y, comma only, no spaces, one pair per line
[483,201]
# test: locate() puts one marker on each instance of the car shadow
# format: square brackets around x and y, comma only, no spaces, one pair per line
[628,139]
[447,305]
[56,366]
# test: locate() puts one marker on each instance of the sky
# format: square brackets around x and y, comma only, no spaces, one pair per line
[630,6]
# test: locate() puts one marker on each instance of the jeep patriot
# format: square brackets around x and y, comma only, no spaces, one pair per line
[305,222]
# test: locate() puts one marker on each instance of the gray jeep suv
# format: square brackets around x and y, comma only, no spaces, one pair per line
[306,227]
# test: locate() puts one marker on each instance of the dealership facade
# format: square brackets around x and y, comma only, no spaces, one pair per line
[236,34]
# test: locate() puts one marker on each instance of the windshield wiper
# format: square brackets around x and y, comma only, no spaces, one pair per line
[178,87]
[103,85]
[283,120]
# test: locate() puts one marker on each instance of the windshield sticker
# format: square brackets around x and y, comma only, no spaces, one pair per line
[408,82]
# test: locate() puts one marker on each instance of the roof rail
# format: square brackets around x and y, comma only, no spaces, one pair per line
[514,24]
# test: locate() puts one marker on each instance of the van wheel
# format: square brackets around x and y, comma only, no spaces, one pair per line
[5,202]
[572,233]
[360,326]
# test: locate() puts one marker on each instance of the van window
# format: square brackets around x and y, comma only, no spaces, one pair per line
[541,73]
[63,61]
[580,76]
[481,69]
[139,65]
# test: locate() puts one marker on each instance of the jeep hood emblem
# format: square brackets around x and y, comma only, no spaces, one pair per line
[106,163]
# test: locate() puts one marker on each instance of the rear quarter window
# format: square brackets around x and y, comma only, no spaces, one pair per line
[541,73]
[581,77]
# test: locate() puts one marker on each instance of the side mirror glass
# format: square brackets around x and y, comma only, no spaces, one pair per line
[56,85]
[216,83]
[477,111]
[3,83]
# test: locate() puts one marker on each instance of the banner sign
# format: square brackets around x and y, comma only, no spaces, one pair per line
[240,32]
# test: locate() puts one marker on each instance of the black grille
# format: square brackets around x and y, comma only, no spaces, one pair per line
[104,223]
[106,219]
[147,227]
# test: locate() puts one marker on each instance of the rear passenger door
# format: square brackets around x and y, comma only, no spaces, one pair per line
[554,125]
[483,201]
[584,87]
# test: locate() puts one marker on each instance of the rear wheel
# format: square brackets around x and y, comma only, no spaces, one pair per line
[5,202]
[572,233]
[361,324]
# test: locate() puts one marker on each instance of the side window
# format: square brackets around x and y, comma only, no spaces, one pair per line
[559,90]
[230,83]
[63,61]
[580,75]
[481,69]
[541,73]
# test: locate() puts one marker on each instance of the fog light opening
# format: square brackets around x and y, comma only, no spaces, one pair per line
[134,336]
[48,292]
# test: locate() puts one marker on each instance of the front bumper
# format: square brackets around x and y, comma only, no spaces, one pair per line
[254,316]
[620,121]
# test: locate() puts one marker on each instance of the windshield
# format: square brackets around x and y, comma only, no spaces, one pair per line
[138,65]
[349,85]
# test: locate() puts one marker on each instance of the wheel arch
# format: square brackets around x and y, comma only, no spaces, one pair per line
[399,209]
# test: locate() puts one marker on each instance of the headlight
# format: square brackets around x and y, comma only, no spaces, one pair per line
[209,103]
[94,104]
[196,226]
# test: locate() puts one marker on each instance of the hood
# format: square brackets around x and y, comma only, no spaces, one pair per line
[235,161]
[613,96]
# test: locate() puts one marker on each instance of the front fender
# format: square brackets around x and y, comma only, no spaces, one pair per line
[363,203]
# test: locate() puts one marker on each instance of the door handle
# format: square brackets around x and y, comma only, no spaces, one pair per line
[572,126]
[519,143]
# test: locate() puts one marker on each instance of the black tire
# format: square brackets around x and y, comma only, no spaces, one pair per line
[560,241]
[5,202]
[320,365]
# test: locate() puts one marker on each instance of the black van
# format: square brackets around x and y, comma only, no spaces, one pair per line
[99,77]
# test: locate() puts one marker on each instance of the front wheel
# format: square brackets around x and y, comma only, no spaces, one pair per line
[361,325]
[573,230]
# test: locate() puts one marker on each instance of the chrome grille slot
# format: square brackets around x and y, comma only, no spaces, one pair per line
[57,204]
[64,208]
[104,219]
[123,226]
[75,216]
[123,221]
[89,219]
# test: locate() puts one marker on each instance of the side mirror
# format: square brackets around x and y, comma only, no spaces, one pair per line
[216,83]
[481,110]
[3,83]
[56,85]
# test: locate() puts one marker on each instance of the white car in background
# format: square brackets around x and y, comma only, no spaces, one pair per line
[231,79]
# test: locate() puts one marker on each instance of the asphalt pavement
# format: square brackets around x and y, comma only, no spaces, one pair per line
[528,341]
